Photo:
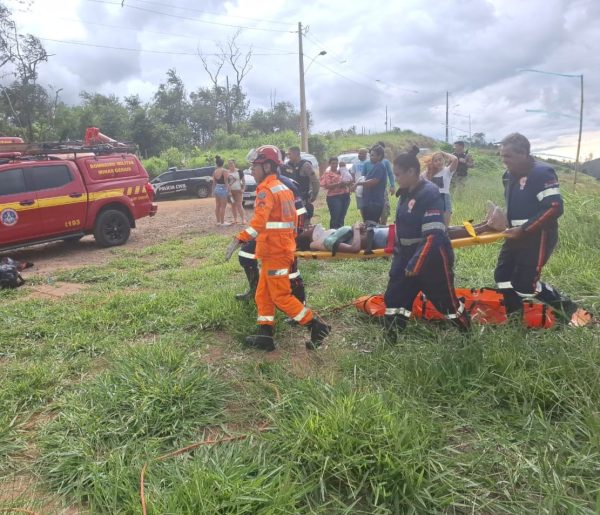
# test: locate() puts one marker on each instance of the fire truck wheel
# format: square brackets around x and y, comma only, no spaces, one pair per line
[203,191]
[112,228]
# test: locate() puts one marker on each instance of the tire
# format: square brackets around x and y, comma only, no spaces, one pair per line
[203,191]
[112,228]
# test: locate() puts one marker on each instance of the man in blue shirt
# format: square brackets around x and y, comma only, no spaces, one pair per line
[392,189]
[374,184]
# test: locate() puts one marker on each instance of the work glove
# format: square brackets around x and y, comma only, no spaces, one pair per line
[232,247]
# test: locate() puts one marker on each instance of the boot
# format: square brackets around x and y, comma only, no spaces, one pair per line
[252,275]
[263,340]
[393,325]
[318,332]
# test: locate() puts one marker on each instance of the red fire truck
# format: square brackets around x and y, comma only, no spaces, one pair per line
[63,191]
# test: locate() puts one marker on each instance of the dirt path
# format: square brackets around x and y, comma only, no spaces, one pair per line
[174,217]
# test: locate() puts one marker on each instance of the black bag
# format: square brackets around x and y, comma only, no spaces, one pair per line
[10,277]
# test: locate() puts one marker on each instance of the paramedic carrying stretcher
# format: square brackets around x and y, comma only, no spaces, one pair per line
[423,256]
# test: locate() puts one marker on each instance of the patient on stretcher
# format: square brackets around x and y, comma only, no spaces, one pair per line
[359,237]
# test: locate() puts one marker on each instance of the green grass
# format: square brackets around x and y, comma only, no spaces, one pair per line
[148,358]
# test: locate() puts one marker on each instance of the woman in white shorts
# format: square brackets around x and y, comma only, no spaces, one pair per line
[236,186]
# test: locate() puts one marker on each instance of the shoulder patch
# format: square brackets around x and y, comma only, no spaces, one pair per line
[262,195]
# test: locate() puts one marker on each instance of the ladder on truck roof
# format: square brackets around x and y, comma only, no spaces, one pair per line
[94,143]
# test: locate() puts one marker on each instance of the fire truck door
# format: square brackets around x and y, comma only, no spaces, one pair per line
[19,214]
[61,195]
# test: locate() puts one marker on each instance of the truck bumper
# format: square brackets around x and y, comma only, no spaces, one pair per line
[153,209]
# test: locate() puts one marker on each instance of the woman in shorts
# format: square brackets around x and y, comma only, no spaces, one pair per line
[236,186]
[221,191]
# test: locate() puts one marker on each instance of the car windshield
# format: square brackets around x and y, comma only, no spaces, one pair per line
[348,158]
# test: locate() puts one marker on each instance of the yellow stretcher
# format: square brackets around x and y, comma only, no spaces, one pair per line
[482,239]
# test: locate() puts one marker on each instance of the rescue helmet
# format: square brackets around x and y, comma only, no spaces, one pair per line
[265,153]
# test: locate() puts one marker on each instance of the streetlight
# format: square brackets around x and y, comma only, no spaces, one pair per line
[580,109]
[312,60]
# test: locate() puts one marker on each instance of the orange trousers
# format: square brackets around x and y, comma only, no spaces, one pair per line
[274,290]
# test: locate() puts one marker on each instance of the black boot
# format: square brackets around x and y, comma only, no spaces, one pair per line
[318,332]
[393,325]
[263,340]
[252,275]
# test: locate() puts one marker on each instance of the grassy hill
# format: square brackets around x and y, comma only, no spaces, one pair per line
[150,360]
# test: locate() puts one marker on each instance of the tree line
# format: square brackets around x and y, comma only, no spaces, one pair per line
[171,118]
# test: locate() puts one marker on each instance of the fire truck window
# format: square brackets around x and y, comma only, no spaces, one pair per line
[48,177]
[12,182]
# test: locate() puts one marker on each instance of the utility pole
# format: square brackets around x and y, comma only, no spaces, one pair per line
[303,120]
[470,137]
[446,117]
[386,120]
[580,127]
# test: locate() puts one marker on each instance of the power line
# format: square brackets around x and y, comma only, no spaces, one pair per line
[81,43]
[135,29]
[191,9]
[179,17]
[344,77]
[319,43]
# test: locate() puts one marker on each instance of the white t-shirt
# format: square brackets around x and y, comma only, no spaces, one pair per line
[442,179]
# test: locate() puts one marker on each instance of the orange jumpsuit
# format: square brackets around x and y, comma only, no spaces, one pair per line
[274,227]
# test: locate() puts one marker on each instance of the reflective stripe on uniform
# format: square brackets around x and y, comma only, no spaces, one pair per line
[279,187]
[547,193]
[280,225]
[504,285]
[278,272]
[459,312]
[301,211]
[526,295]
[405,242]
[433,226]
[398,311]
[518,223]
[294,275]
[262,318]
[301,315]
[251,232]
[246,255]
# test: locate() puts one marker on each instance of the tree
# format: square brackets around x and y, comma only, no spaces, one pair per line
[478,140]
[22,54]
[144,128]
[282,117]
[172,108]
[230,102]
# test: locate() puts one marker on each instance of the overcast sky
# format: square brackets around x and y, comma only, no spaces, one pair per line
[403,54]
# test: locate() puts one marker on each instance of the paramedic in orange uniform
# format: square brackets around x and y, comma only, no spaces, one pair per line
[274,227]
